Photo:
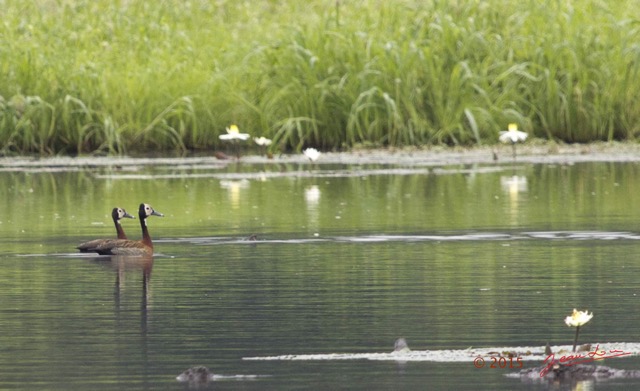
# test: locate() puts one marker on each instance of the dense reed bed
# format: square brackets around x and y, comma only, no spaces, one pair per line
[134,76]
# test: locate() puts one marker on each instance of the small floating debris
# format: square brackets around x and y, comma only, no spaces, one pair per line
[251,238]
[401,346]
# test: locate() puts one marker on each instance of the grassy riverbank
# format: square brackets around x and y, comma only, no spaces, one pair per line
[124,76]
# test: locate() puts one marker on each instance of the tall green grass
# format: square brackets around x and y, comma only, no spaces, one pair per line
[135,76]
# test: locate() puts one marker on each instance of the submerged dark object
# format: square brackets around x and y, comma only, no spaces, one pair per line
[196,375]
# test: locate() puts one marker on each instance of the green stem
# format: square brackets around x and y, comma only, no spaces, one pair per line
[575,341]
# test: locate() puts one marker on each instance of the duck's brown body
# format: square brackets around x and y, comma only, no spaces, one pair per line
[122,247]
[117,214]
[125,246]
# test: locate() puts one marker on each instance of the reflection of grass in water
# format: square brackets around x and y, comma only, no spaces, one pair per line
[133,75]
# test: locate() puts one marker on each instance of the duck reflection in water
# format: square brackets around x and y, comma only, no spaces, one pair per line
[125,266]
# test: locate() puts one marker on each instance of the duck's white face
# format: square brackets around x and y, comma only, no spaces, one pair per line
[118,214]
[123,213]
[146,210]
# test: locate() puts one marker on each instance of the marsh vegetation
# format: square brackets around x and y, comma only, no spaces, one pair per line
[134,76]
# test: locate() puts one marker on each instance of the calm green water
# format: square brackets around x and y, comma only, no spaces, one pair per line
[348,258]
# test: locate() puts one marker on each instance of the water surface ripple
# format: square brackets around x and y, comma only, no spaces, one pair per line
[469,236]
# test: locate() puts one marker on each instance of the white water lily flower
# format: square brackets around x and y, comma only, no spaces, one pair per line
[312,154]
[262,141]
[578,318]
[513,135]
[233,133]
